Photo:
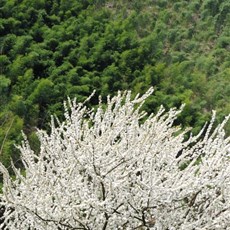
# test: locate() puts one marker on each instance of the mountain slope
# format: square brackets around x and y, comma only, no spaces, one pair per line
[53,49]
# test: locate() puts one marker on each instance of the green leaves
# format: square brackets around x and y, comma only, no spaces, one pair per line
[42,93]
[53,49]
[4,90]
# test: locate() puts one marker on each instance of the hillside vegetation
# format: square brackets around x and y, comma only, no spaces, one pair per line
[51,49]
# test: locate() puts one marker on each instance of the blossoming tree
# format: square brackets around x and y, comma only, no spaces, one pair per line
[116,168]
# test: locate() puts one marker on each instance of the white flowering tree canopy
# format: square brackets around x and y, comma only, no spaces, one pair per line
[117,168]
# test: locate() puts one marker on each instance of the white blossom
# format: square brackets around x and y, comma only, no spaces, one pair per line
[117,168]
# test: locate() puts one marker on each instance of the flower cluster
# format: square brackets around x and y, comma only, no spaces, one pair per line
[117,168]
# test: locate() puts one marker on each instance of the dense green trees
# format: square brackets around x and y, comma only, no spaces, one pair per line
[53,49]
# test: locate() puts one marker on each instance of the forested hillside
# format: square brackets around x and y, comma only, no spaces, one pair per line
[51,49]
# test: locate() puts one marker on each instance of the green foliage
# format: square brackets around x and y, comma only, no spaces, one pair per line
[53,49]
[4,84]
[10,134]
